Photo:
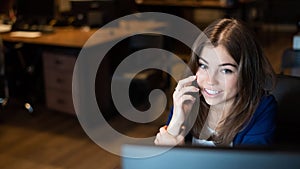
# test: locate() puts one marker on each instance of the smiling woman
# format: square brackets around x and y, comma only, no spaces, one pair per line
[232,79]
[217,77]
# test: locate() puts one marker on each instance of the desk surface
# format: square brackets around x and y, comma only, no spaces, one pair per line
[192,3]
[76,38]
[67,37]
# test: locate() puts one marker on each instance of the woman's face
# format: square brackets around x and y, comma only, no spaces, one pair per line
[217,76]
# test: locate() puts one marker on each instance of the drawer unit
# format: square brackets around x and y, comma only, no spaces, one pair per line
[58,80]
[59,100]
[58,71]
[59,61]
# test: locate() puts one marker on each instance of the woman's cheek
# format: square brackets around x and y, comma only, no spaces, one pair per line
[199,79]
[198,73]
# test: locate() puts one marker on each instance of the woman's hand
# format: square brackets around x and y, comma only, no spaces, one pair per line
[165,138]
[183,101]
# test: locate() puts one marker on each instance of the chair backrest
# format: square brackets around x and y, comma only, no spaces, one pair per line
[287,94]
[146,41]
[290,60]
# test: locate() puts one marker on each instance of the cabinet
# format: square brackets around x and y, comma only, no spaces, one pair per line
[59,53]
[58,70]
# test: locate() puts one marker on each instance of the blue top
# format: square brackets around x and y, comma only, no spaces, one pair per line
[261,128]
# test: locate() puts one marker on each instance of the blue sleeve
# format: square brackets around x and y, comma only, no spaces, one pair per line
[170,116]
[260,130]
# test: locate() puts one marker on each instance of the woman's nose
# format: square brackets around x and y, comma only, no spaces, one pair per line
[211,78]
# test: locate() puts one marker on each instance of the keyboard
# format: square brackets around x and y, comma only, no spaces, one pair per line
[25,34]
[4,28]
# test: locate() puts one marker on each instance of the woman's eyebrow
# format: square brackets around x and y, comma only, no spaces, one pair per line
[229,64]
[200,58]
[224,64]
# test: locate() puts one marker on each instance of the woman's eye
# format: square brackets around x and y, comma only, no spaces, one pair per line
[202,66]
[227,71]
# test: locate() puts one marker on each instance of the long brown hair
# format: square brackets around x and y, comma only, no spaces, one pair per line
[255,75]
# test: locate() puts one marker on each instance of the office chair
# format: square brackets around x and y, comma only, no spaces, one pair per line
[144,82]
[287,94]
[19,74]
[290,62]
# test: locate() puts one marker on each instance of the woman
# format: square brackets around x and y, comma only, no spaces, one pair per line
[233,78]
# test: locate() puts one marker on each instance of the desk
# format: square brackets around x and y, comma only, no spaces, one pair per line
[227,6]
[187,3]
[59,52]
[76,37]
[194,3]
[65,37]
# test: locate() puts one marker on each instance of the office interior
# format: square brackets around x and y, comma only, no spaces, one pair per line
[38,124]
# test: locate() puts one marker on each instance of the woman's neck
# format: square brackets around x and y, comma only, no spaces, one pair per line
[217,114]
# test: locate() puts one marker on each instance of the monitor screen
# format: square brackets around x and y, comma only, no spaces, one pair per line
[193,157]
[93,13]
[5,6]
[39,11]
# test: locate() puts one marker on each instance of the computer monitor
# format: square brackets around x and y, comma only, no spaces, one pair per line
[5,6]
[193,157]
[93,13]
[38,12]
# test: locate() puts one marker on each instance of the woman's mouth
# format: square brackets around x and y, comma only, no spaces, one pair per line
[211,92]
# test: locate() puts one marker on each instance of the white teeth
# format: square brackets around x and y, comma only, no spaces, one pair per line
[211,91]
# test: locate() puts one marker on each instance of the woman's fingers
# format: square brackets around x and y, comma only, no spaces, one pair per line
[165,138]
[159,136]
[186,94]
[163,130]
[156,141]
[184,86]
[184,97]
[185,82]
[185,90]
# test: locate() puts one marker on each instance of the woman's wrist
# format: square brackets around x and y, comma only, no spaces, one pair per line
[178,115]
[174,127]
